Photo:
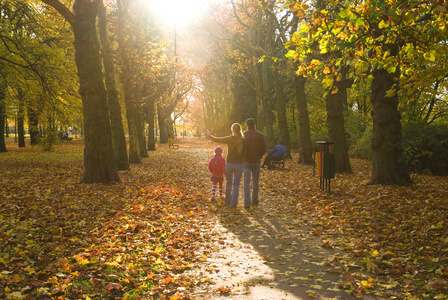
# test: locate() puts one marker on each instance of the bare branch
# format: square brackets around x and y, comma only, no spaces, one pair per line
[62,9]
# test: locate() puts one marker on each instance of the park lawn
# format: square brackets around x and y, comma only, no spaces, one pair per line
[62,239]
[143,236]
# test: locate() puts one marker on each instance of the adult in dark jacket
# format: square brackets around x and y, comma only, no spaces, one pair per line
[236,150]
[255,149]
[275,154]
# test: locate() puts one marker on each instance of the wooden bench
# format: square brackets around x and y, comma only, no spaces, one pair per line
[278,163]
[175,146]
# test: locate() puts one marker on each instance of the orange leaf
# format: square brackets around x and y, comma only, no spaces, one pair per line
[112,286]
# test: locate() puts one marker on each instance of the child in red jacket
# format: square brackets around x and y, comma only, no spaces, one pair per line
[217,166]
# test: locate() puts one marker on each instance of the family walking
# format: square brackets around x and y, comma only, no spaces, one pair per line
[244,153]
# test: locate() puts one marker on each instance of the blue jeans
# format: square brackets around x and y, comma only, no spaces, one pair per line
[233,178]
[254,169]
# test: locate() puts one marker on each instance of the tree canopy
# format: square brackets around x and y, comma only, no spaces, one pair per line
[356,73]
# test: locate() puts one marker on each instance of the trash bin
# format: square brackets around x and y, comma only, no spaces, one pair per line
[325,162]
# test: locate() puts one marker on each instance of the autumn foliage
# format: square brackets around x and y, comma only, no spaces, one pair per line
[146,236]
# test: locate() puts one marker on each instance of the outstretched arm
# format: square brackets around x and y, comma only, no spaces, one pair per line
[215,138]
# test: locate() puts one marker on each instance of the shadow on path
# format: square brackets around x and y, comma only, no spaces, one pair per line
[262,256]
[267,253]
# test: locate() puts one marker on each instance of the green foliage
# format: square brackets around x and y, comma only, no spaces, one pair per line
[294,138]
[49,141]
[316,110]
[426,148]
[355,126]
[409,36]
[361,148]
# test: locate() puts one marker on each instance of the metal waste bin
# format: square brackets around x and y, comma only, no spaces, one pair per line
[325,163]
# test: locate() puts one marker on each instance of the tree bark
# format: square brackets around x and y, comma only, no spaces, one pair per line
[140,124]
[305,146]
[336,129]
[282,118]
[267,108]
[33,120]
[2,117]
[388,166]
[116,122]
[21,118]
[150,119]
[99,162]
[20,128]
[129,95]
[162,128]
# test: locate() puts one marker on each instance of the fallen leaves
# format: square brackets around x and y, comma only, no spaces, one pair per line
[146,236]
[62,240]
[397,234]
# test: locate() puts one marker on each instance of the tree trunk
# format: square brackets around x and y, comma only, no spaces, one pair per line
[168,124]
[282,119]
[116,122]
[305,146]
[33,123]
[388,166]
[140,123]
[21,118]
[150,118]
[2,117]
[134,148]
[267,109]
[128,89]
[162,128]
[20,126]
[336,129]
[99,161]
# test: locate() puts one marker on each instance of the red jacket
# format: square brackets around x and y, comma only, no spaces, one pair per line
[219,168]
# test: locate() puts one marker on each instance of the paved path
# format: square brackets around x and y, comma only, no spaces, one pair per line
[266,252]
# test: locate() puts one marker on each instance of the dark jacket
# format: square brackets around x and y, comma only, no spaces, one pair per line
[256,146]
[236,147]
[278,151]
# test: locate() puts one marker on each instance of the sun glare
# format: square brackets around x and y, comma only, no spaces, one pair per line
[178,13]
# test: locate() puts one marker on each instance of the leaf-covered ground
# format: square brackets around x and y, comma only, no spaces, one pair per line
[156,235]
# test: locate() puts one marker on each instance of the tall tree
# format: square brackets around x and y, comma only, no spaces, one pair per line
[21,117]
[336,96]
[336,29]
[99,162]
[127,74]
[388,165]
[116,122]
[150,113]
[180,85]
[336,105]
[305,147]
[33,109]
[2,113]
